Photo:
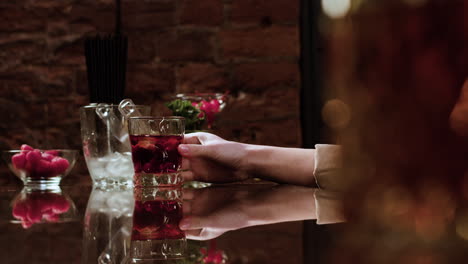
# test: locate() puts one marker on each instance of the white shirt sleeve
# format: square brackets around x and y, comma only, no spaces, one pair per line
[328,165]
[328,172]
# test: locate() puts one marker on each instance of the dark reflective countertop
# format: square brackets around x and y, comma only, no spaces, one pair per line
[258,222]
[236,223]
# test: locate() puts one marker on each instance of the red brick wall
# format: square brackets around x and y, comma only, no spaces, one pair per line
[249,47]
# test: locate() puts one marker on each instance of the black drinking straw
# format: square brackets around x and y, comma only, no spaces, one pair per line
[118,21]
[106,63]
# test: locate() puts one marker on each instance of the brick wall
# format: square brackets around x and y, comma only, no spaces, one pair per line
[249,47]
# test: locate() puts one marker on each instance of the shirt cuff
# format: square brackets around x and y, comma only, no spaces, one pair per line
[328,165]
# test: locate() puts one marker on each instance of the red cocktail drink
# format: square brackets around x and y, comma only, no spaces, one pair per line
[156,154]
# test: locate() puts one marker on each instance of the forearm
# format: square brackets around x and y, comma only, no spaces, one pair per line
[291,165]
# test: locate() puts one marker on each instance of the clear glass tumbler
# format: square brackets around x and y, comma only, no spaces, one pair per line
[106,147]
[154,142]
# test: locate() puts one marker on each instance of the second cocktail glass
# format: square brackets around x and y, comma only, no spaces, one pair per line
[154,142]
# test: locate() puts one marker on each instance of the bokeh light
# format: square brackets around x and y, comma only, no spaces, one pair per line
[336,114]
[336,8]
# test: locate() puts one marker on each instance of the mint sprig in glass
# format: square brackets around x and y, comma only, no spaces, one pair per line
[194,117]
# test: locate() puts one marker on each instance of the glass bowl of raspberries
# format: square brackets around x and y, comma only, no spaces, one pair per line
[40,167]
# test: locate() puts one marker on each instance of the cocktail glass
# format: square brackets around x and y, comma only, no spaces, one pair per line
[210,104]
[154,142]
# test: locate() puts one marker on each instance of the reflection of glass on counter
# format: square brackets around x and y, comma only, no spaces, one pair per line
[107,225]
[156,234]
[38,206]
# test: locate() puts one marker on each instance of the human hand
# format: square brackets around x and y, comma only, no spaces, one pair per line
[209,158]
[210,212]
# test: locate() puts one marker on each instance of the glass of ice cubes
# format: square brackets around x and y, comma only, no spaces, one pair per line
[106,145]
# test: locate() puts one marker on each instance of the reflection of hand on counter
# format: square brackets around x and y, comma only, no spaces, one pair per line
[211,212]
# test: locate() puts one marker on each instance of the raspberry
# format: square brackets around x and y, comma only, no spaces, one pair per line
[48,157]
[52,152]
[32,158]
[60,165]
[25,147]
[19,160]
[44,169]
